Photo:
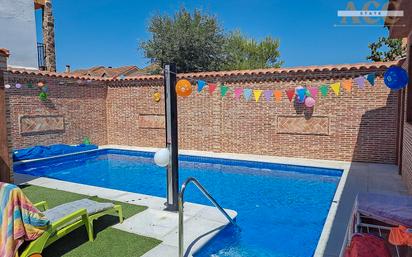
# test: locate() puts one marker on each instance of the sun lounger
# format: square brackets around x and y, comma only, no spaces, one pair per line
[63,219]
[378,213]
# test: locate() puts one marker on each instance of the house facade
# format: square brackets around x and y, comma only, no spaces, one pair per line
[18,34]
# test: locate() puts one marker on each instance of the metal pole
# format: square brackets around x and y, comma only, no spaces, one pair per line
[171,137]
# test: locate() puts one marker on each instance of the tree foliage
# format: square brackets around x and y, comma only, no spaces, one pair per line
[193,41]
[386,49]
[246,53]
[196,42]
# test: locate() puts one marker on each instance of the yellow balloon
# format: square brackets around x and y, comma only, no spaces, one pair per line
[156,96]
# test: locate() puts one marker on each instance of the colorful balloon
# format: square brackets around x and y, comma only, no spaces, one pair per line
[43,96]
[183,88]
[310,102]
[7,86]
[40,84]
[396,78]
[156,97]
[18,85]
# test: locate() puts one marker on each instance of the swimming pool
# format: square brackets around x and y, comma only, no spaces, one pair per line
[281,208]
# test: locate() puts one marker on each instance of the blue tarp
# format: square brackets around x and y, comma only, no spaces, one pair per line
[41,151]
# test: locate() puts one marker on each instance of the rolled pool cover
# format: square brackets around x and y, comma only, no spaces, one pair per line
[37,152]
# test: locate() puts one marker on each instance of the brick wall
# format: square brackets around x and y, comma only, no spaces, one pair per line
[407,156]
[407,130]
[359,126]
[82,108]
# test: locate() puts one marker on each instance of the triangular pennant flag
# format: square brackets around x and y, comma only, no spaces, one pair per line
[347,85]
[200,85]
[238,92]
[268,94]
[223,89]
[360,81]
[371,78]
[247,93]
[301,92]
[324,90]
[257,93]
[290,93]
[336,88]
[313,92]
[278,95]
[212,88]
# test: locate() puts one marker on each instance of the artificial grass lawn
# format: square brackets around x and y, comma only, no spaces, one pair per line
[108,241]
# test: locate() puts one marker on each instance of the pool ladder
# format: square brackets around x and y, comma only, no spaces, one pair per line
[181,202]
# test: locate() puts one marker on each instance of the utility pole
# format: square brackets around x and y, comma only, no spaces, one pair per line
[171,137]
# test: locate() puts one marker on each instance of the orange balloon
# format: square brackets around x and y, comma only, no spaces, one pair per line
[183,87]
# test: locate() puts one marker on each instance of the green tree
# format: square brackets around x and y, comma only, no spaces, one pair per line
[245,53]
[386,49]
[193,41]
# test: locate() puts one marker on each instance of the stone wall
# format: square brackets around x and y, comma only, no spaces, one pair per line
[356,126]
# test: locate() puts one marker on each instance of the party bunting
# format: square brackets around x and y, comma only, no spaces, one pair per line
[278,95]
[347,85]
[257,93]
[223,89]
[268,95]
[247,93]
[324,89]
[360,81]
[301,92]
[371,78]
[313,92]
[238,92]
[212,88]
[290,93]
[336,88]
[200,85]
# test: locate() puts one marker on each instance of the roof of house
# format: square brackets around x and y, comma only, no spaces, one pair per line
[106,72]
[309,70]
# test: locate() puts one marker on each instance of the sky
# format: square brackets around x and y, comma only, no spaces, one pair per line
[107,32]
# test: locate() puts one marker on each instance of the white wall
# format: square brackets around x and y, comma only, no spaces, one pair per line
[18,32]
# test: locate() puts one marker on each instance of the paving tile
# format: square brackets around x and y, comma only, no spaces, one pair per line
[151,223]
[196,231]
[162,250]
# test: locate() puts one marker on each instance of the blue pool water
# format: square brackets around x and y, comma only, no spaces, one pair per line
[281,208]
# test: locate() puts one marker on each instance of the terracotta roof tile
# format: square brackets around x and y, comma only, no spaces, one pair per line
[219,74]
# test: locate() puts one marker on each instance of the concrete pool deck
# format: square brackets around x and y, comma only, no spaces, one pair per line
[203,222]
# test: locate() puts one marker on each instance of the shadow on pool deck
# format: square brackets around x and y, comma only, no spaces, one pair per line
[362,177]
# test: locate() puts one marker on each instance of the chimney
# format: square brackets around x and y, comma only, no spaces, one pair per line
[67,68]
[48,36]
[4,54]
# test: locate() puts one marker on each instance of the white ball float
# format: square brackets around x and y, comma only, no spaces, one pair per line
[161,157]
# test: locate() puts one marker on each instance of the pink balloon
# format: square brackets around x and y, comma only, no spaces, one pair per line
[310,102]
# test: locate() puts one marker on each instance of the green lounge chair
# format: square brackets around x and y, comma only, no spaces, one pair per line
[67,217]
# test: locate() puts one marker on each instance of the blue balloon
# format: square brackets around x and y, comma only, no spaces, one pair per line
[396,78]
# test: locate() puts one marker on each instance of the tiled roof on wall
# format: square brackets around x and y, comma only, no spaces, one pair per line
[221,74]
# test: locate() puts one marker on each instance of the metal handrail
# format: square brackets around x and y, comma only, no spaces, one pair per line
[181,202]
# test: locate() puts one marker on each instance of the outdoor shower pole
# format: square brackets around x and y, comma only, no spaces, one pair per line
[171,136]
